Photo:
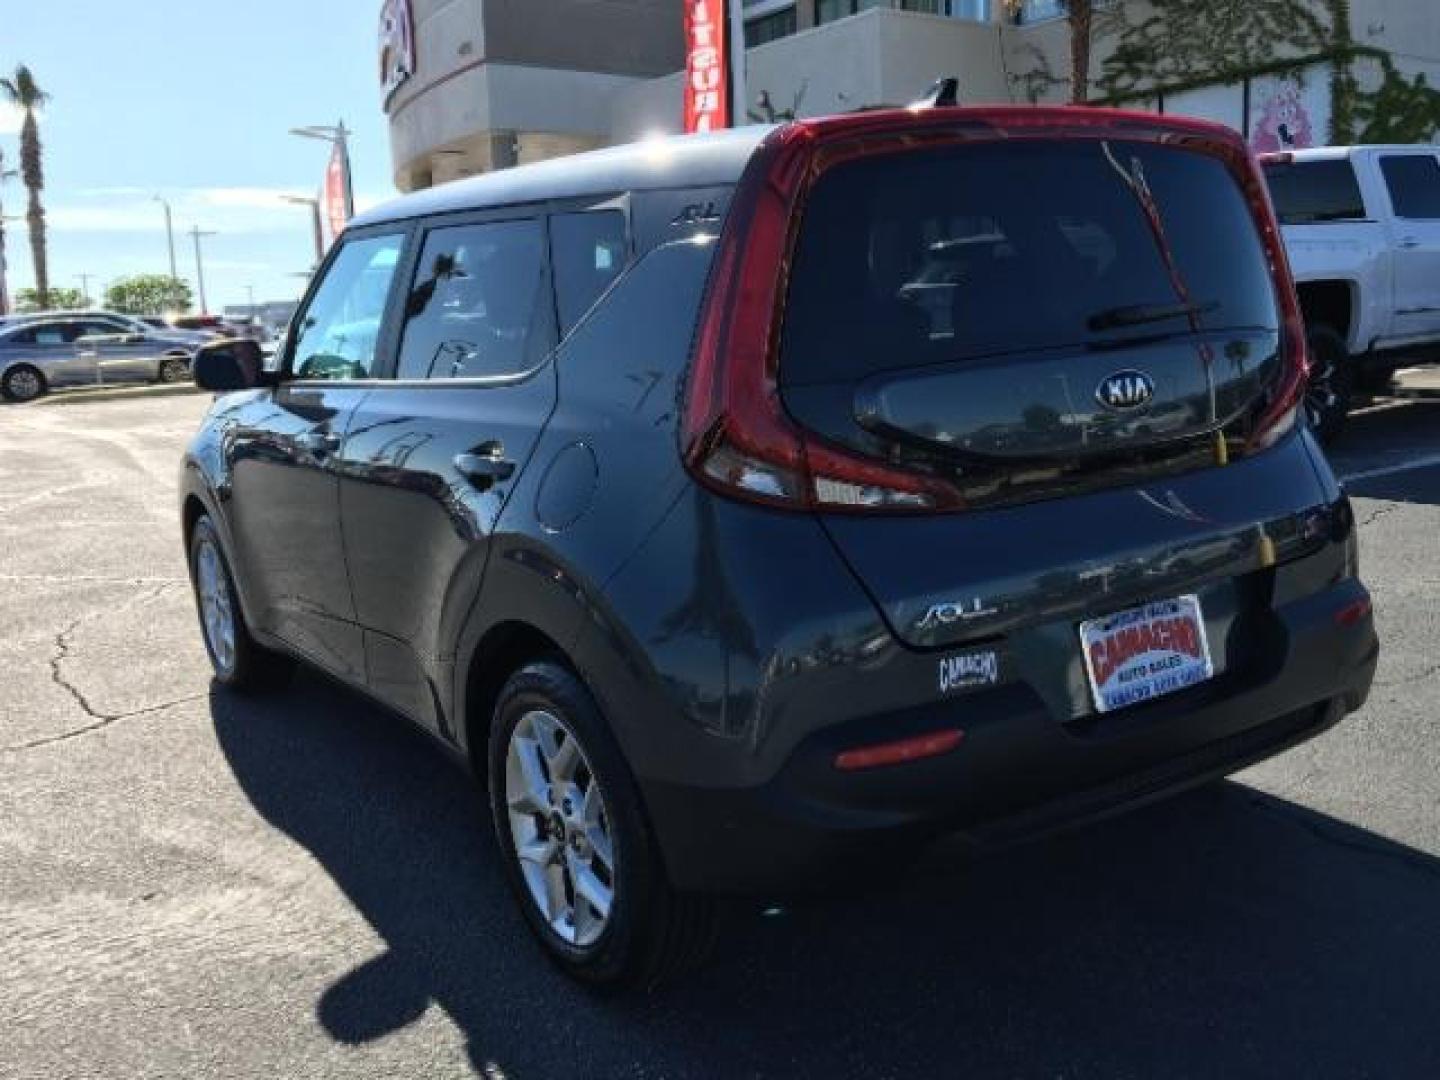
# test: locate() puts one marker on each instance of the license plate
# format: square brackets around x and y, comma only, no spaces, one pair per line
[1146,652]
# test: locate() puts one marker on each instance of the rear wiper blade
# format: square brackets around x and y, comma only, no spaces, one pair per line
[1140,314]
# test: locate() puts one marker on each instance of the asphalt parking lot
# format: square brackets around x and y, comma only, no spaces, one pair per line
[192,886]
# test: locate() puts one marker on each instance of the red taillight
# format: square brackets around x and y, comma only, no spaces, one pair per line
[1279,416]
[1353,613]
[900,751]
[736,435]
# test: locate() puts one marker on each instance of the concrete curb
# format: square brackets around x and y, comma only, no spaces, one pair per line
[82,394]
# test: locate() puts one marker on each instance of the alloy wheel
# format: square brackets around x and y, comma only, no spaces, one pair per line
[217,610]
[560,828]
[24,385]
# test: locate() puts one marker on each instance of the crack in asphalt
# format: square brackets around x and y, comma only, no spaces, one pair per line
[1380,512]
[100,720]
[87,579]
[1411,680]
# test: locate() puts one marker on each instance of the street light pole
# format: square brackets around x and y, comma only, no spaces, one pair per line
[339,137]
[169,237]
[314,205]
[196,233]
[85,289]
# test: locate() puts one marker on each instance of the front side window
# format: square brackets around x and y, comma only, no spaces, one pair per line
[335,337]
[478,305]
[589,252]
[1414,183]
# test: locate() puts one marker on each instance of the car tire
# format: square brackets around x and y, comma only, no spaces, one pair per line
[23,383]
[1332,384]
[556,773]
[174,369]
[240,663]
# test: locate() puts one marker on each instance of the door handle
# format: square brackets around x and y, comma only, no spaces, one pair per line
[485,465]
[318,442]
[1409,242]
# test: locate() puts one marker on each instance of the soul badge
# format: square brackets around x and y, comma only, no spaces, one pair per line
[969,671]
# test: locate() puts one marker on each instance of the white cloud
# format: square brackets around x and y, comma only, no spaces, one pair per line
[228,209]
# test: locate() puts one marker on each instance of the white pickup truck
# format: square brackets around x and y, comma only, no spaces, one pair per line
[1362,227]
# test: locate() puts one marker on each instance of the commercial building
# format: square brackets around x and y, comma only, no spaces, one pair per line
[474,85]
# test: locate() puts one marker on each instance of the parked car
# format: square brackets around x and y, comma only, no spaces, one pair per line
[731,569]
[1362,228]
[38,355]
[210,325]
[120,323]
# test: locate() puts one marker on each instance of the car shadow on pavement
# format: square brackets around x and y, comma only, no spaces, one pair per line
[1222,933]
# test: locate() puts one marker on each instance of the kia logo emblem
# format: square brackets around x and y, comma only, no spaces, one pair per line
[1125,390]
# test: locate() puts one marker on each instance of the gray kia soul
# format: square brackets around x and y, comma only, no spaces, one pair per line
[745,506]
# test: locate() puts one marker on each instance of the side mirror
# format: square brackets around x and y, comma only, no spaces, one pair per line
[232,364]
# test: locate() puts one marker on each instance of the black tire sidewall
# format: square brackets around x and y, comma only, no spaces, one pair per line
[1323,340]
[622,951]
[256,668]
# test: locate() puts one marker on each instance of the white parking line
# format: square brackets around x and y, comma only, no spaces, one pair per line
[1429,461]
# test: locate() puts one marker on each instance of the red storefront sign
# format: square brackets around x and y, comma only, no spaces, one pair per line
[707,66]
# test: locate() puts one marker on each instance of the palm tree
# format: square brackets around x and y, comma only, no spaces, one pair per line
[21,90]
[5,174]
[1082,31]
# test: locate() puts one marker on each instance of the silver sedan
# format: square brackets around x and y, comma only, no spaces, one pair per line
[40,355]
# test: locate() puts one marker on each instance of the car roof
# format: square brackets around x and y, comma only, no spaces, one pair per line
[1332,153]
[675,161]
[68,313]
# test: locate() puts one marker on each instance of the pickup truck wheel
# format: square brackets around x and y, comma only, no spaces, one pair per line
[1332,384]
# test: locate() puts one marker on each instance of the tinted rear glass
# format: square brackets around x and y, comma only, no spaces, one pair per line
[1305,192]
[944,255]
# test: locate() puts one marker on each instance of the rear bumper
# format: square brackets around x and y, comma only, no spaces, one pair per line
[1016,774]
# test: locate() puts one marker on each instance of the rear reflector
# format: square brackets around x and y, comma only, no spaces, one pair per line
[895,753]
[1354,612]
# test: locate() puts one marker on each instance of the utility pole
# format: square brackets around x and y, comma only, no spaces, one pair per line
[196,233]
[85,300]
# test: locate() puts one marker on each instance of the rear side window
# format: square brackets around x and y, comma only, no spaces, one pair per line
[969,252]
[476,307]
[1305,192]
[1414,183]
[589,251]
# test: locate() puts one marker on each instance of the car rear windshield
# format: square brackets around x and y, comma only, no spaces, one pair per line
[936,256]
[1305,192]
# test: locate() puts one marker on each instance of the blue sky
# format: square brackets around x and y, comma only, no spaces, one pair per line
[192,100]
